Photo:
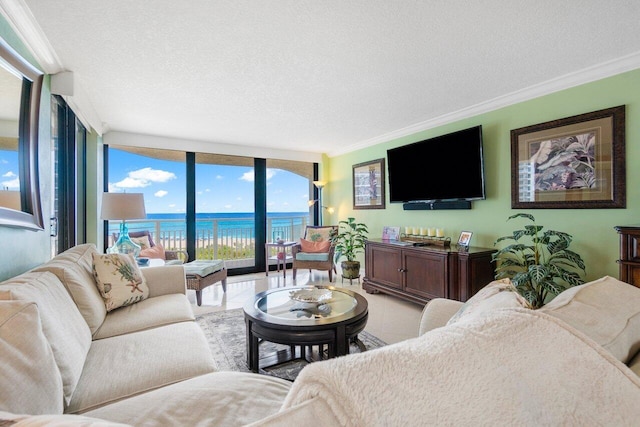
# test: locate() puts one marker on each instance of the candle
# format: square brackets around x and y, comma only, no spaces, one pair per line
[423,231]
[407,230]
[431,232]
[439,232]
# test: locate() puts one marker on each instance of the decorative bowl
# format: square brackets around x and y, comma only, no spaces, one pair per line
[143,261]
[313,296]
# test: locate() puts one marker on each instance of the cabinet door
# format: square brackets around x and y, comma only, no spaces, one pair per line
[425,274]
[384,266]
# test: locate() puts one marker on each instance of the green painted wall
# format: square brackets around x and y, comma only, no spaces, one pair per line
[594,236]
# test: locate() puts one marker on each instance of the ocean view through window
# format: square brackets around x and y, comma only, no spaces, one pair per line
[224,195]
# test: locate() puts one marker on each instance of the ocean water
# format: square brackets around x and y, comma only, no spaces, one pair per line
[228,224]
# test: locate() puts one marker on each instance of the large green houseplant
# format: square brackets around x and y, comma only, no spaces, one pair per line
[539,263]
[349,241]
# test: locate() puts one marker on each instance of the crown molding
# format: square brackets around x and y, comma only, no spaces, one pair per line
[24,24]
[587,75]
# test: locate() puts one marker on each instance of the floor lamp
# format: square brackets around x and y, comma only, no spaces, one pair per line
[123,206]
[319,185]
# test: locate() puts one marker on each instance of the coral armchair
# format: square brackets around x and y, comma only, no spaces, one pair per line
[315,250]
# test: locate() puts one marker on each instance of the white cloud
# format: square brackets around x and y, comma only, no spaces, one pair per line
[228,206]
[238,198]
[9,174]
[172,205]
[250,176]
[219,177]
[144,177]
[160,193]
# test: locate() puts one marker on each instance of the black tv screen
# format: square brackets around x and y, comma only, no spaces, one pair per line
[447,167]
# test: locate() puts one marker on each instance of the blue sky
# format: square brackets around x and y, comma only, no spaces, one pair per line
[219,188]
[9,170]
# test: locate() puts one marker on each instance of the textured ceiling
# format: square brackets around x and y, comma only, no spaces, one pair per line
[318,75]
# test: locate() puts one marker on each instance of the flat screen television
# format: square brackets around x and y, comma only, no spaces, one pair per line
[445,168]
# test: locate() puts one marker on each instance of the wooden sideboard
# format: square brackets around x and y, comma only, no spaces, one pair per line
[629,253]
[421,273]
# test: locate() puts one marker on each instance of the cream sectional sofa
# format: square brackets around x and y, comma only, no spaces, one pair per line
[65,362]
[147,363]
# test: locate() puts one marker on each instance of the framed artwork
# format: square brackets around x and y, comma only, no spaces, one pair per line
[575,162]
[465,238]
[368,185]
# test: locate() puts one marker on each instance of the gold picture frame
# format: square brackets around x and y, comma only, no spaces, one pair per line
[576,162]
[368,185]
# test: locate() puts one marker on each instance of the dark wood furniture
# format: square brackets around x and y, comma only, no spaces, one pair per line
[421,273]
[629,253]
[272,316]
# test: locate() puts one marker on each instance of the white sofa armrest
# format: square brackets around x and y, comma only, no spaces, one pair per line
[164,280]
[437,313]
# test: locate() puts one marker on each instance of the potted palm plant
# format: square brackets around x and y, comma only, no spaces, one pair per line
[539,264]
[349,241]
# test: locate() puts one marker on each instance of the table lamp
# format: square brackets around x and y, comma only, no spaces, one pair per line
[123,206]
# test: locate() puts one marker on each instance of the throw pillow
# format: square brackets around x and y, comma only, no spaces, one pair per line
[497,294]
[119,280]
[155,252]
[143,242]
[314,247]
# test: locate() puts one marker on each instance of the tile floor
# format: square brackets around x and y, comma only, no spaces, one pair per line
[390,318]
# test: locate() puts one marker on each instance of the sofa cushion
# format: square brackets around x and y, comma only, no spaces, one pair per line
[62,324]
[303,256]
[218,399]
[126,365]
[119,280]
[156,252]
[606,310]
[150,313]
[308,246]
[63,420]
[29,378]
[74,268]
[142,241]
[497,294]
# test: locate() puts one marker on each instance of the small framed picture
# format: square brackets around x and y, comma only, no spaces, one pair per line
[465,238]
[390,233]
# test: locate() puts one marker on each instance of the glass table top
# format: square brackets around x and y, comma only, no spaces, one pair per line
[279,303]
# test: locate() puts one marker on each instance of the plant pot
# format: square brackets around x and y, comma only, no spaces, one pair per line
[350,269]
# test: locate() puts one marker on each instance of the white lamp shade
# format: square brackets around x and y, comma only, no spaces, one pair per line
[123,206]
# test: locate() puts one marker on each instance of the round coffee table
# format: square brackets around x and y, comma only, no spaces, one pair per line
[273,316]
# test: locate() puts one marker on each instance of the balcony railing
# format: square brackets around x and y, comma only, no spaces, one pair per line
[231,239]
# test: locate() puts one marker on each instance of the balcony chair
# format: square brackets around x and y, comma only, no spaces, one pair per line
[152,250]
[315,250]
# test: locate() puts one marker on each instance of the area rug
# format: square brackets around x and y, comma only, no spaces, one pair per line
[226,334]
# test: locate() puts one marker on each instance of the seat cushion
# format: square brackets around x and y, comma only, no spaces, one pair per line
[62,324]
[119,280]
[218,399]
[74,268]
[63,420]
[204,267]
[130,364]
[303,256]
[30,381]
[150,313]
[606,310]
